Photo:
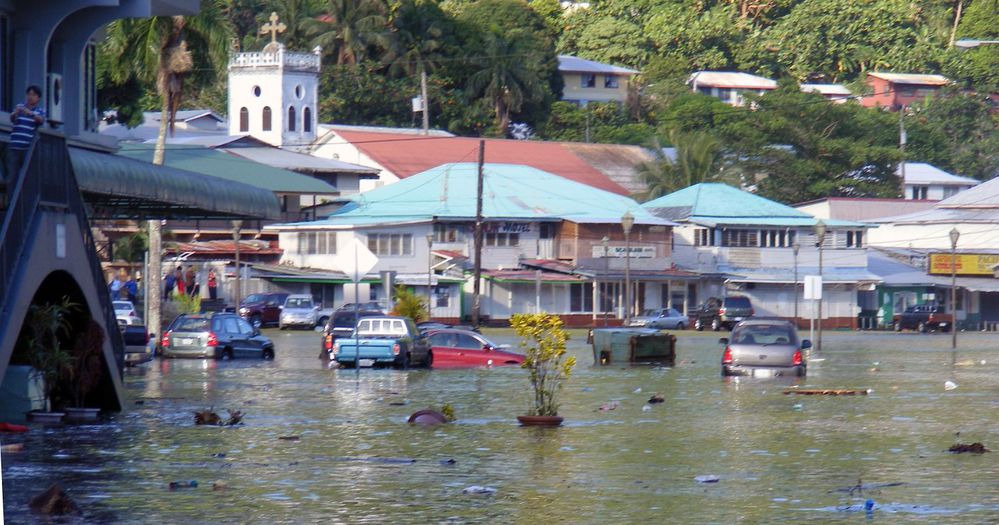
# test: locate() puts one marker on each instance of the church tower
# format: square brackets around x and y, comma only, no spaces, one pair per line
[273,93]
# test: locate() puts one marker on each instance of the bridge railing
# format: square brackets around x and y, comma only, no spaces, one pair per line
[46,182]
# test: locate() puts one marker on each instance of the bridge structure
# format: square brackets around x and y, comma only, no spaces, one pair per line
[47,250]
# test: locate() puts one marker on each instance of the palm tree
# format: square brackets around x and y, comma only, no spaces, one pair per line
[504,75]
[349,28]
[156,50]
[416,38]
[698,157]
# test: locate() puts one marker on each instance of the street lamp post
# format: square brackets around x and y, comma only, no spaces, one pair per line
[430,273]
[795,247]
[954,236]
[627,221]
[236,226]
[820,237]
[606,242]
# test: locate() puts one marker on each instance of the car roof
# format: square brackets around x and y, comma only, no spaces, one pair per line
[452,331]
[764,321]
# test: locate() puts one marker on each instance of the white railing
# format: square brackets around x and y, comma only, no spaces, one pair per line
[282,59]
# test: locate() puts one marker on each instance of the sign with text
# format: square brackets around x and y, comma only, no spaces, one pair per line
[967,263]
[813,287]
[506,227]
[637,252]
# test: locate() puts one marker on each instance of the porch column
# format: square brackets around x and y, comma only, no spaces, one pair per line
[596,300]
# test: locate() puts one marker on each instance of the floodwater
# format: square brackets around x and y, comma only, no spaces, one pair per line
[777,458]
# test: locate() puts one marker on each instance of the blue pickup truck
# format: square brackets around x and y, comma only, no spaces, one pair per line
[383,341]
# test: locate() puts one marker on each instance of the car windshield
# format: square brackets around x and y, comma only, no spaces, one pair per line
[672,312]
[298,302]
[122,306]
[651,313]
[254,298]
[192,324]
[737,302]
[344,320]
[763,334]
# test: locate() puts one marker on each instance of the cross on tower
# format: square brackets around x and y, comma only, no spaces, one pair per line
[273,27]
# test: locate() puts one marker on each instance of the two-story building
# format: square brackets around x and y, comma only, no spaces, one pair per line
[922,181]
[897,90]
[543,236]
[744,244]
[588,81]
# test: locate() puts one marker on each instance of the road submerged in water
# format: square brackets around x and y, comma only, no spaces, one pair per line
[716,451]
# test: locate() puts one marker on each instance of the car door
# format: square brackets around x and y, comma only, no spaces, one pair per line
[251,345]
[473,351]
[444,345]
[229,335]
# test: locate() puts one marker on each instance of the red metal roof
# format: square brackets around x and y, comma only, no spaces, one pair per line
[406,155]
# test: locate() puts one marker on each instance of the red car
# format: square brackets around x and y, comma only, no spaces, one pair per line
[453,348]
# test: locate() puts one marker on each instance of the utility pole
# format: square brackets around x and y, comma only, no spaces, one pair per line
[426,102]
[476,302]
[902,139]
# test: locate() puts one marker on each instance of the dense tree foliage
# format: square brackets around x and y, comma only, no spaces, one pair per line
[494,62]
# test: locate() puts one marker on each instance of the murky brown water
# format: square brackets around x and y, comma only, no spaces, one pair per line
[779,459]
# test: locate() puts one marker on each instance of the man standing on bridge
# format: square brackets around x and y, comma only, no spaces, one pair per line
[26,118]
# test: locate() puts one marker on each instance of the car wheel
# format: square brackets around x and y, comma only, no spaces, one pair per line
[256,321]
[716,324]
[680,326]
[921,327]
[430,359]
[227,354]
[322,321]
[898,326]
[268,354]
[404,361]
[698,325]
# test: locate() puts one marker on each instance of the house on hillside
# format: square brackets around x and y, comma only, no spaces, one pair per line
[588,81]
[541,250]
[897,90]
[922,181]
[399,154]
[861,209]
[743,244]
[728,86]
[836,93]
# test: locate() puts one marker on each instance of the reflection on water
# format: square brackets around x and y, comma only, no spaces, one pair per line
[777,458]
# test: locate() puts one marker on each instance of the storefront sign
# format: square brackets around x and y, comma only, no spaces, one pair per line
[637,252]
[967,264]
[506,227]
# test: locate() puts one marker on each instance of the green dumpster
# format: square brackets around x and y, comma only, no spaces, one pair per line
[615,346]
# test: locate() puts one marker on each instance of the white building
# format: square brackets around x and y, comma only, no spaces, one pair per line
[922,181]
[729,87]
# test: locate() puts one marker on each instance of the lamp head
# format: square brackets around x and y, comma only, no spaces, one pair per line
[820,230]
[627,221]
[954,236]
[795,247]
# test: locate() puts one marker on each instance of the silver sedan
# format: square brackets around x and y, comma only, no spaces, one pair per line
[661,318]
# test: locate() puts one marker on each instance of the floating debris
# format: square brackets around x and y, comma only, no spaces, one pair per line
[949,385]
[707,478]
[646,408]
[606,407]
[53,501]
[10,427]
[175,485]
[656,398]
[13,447]
[427,417]
[219,485]
[860,487]
[974,448]
[449,461]
[477,489]
[833,392]
[290,438]
[209,417]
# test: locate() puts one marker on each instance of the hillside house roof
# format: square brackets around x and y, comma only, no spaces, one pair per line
[828,90]
[510,192]
[923,173]
[571,64]
[730,79]
[405,155]
[911,78]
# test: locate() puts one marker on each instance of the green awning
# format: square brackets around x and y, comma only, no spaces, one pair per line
[199,159]
[116,186]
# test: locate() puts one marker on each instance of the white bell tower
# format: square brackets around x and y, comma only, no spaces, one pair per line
[274,94]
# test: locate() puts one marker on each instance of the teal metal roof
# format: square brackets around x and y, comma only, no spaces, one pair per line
[712,203]
[510,192]
[119,186]
[231,167]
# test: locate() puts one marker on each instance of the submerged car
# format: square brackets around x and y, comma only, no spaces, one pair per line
[660,318]
[454,348]
[764,348]
[722,313]
[126,314]
[218,335]
[298,310]
[340,325]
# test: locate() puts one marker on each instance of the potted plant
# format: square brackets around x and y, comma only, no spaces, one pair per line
[543,339]
[86,371]
[45,354]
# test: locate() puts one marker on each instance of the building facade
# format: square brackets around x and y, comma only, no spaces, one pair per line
[588,81]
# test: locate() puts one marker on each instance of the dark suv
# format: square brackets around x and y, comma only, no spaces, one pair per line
[262,308]
[722,313]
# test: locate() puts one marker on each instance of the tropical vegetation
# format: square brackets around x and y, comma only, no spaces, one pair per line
[543,340]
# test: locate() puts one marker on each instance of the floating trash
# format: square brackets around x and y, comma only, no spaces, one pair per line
[707,478]
[477,489]
[949,385]
[974,448]
[175,485]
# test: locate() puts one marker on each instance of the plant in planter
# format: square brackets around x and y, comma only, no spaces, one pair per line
[543,340]
[47,323]
[87,370]
[408,304]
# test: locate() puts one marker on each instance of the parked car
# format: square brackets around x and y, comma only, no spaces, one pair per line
[218,334]
[138,349]
[923,318]
[262,309]
[125,313]
[383,340]
[370,307]
[340,325]
[722,313]
[298,310]
[454,348]
[428,326]
[661,318]
[764,348]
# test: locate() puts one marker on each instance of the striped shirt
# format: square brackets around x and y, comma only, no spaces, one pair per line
[24,129]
